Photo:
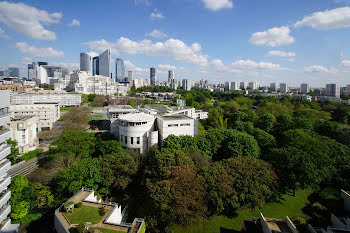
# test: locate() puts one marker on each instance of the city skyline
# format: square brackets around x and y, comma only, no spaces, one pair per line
[305,42]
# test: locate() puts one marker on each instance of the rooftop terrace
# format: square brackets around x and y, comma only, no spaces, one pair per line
[90,215]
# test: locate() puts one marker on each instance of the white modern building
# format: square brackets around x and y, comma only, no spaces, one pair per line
[24,131]
[284,88]
[47,114]
[85,62]
[304,88]
[139,82]
[98,84]
[137,131]
[61,99]
[253,85]
[227,86]
[243,85]
[5,165]
[187,84]
[113,114]
[234,86]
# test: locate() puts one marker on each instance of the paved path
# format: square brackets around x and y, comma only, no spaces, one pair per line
[27,167]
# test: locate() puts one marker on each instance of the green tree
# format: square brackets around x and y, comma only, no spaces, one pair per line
[42,195]
[266,122]
[116,170]
[14,149]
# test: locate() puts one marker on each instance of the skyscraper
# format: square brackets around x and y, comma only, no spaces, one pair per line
[284,87]
[253,85]
[304,88]
[104,63]
[186,84]
[273,87]
[234,86]
[227,86]
[130,77]
[85,62]
[14,72]
[95,66]
[153,74]
[170,75]
[242,85]
[5,165]
[119,70]
[333,90]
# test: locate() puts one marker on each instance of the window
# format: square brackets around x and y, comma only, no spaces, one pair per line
[173,125]
[121,138]
[185,124]
[138,140]
[126,139]
[132,140]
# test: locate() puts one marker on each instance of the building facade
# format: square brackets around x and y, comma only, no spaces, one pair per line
[284,88]
[186,84]
[85,62]
[253,85]
[24,131]
[62,99]
[47,114]
[5,165]
[95,66]
[104,63]
[119,70]
[153,75]
[304,88]
[234,86]
[333,90]
[13,72]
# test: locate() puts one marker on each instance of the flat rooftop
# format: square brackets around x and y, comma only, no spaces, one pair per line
[81,197]
[174,117]
[119,107]
[136,117]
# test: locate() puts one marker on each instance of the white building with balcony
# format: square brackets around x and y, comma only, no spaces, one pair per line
[47,114]
[24,131]
[5,165]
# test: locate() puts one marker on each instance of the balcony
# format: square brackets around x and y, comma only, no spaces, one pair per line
[5,151]
[4,119]
[4,167]
[4,212]
[5,183]
[7,227]
[4,197]
[4,135]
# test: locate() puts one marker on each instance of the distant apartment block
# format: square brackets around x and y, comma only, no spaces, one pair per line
[333,90]
[61,99]
[47,114]
[284,88]
[24,131]
[5,165]
[274,87]
[253,85]
[153,76]
[114,220]
[16,87]
[304,88]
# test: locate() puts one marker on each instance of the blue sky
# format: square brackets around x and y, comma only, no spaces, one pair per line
[291,41]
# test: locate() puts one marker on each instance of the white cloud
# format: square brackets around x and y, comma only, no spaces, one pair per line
[273,37]
[156,14]
[74,22]
[3,34]
[175,48]
[249,65]
[137,70]
[93,54]
[157,34]
[215,5]
[27,60]
[329,19]
[28,20]
[166,67]
[320,69]
[38,52]
[221,67]
[281,53]
[69,66]
[345,63]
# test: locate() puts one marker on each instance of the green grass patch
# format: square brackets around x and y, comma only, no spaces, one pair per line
[63,109]
[96,116]
[31,154]
[143,228]
[103,230]
[83,215]
[288,206]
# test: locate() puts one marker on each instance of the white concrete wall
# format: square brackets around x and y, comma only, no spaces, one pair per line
[264,226]
[165,130]
[291,226]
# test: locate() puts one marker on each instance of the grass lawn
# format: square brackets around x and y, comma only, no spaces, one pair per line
[84,214]
[106,230]
[288,206]
[96,116]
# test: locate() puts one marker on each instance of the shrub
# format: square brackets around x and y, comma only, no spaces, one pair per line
[102,211]
[78,205]
[81,228]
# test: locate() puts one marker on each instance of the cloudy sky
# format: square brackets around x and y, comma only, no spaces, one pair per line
[291,41]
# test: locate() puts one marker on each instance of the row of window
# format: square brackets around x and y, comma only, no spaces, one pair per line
[176,125]
[123,123]
[124,139]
